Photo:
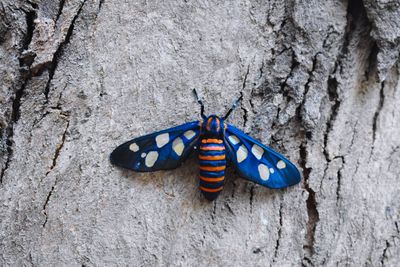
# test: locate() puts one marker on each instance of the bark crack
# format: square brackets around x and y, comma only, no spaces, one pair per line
[26,60]
[252,94]
[245,111]
[213,212]
[293,66]
[300,108]
[251,197]
[377,113]
[312,211]
[59,146]
[279,232]
[44,209]
[60,50]
[372,61]
[101,2]
[310,74]
[16,104]
[30,17]
[233,189]
[229,208]
[333,96]
[384,256]
[311,203]
[339,179]
[60,9]
[353,15]
[54,163]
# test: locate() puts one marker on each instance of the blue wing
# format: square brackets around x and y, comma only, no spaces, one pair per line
[257,162]
[162,150]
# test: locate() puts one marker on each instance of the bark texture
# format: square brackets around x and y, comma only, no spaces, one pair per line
[320,81]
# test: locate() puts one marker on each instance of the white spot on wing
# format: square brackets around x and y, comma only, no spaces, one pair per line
[271,170]
[263,171]
[257,151]
[162,139]
[178,146]
[143,155]
[189,134]
[241,153]
[151,158]
[281,164]
[134,147]
[234,140]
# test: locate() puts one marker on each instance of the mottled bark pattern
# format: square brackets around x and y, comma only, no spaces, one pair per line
[320,81]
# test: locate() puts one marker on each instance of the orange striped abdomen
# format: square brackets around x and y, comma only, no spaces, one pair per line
[212,167]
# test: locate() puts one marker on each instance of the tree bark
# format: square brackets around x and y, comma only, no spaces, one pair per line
[320,81]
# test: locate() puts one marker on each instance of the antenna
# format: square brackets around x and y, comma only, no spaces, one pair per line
[234,105]
[200,102]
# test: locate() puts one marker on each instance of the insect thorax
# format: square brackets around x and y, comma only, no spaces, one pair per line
[213,126]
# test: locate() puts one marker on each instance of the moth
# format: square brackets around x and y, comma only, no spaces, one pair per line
[216,143]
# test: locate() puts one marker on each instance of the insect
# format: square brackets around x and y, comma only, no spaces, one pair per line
[217,142]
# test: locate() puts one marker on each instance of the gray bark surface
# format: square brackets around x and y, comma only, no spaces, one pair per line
[320,81]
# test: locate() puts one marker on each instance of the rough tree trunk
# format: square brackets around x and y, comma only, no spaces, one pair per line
[320,81]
